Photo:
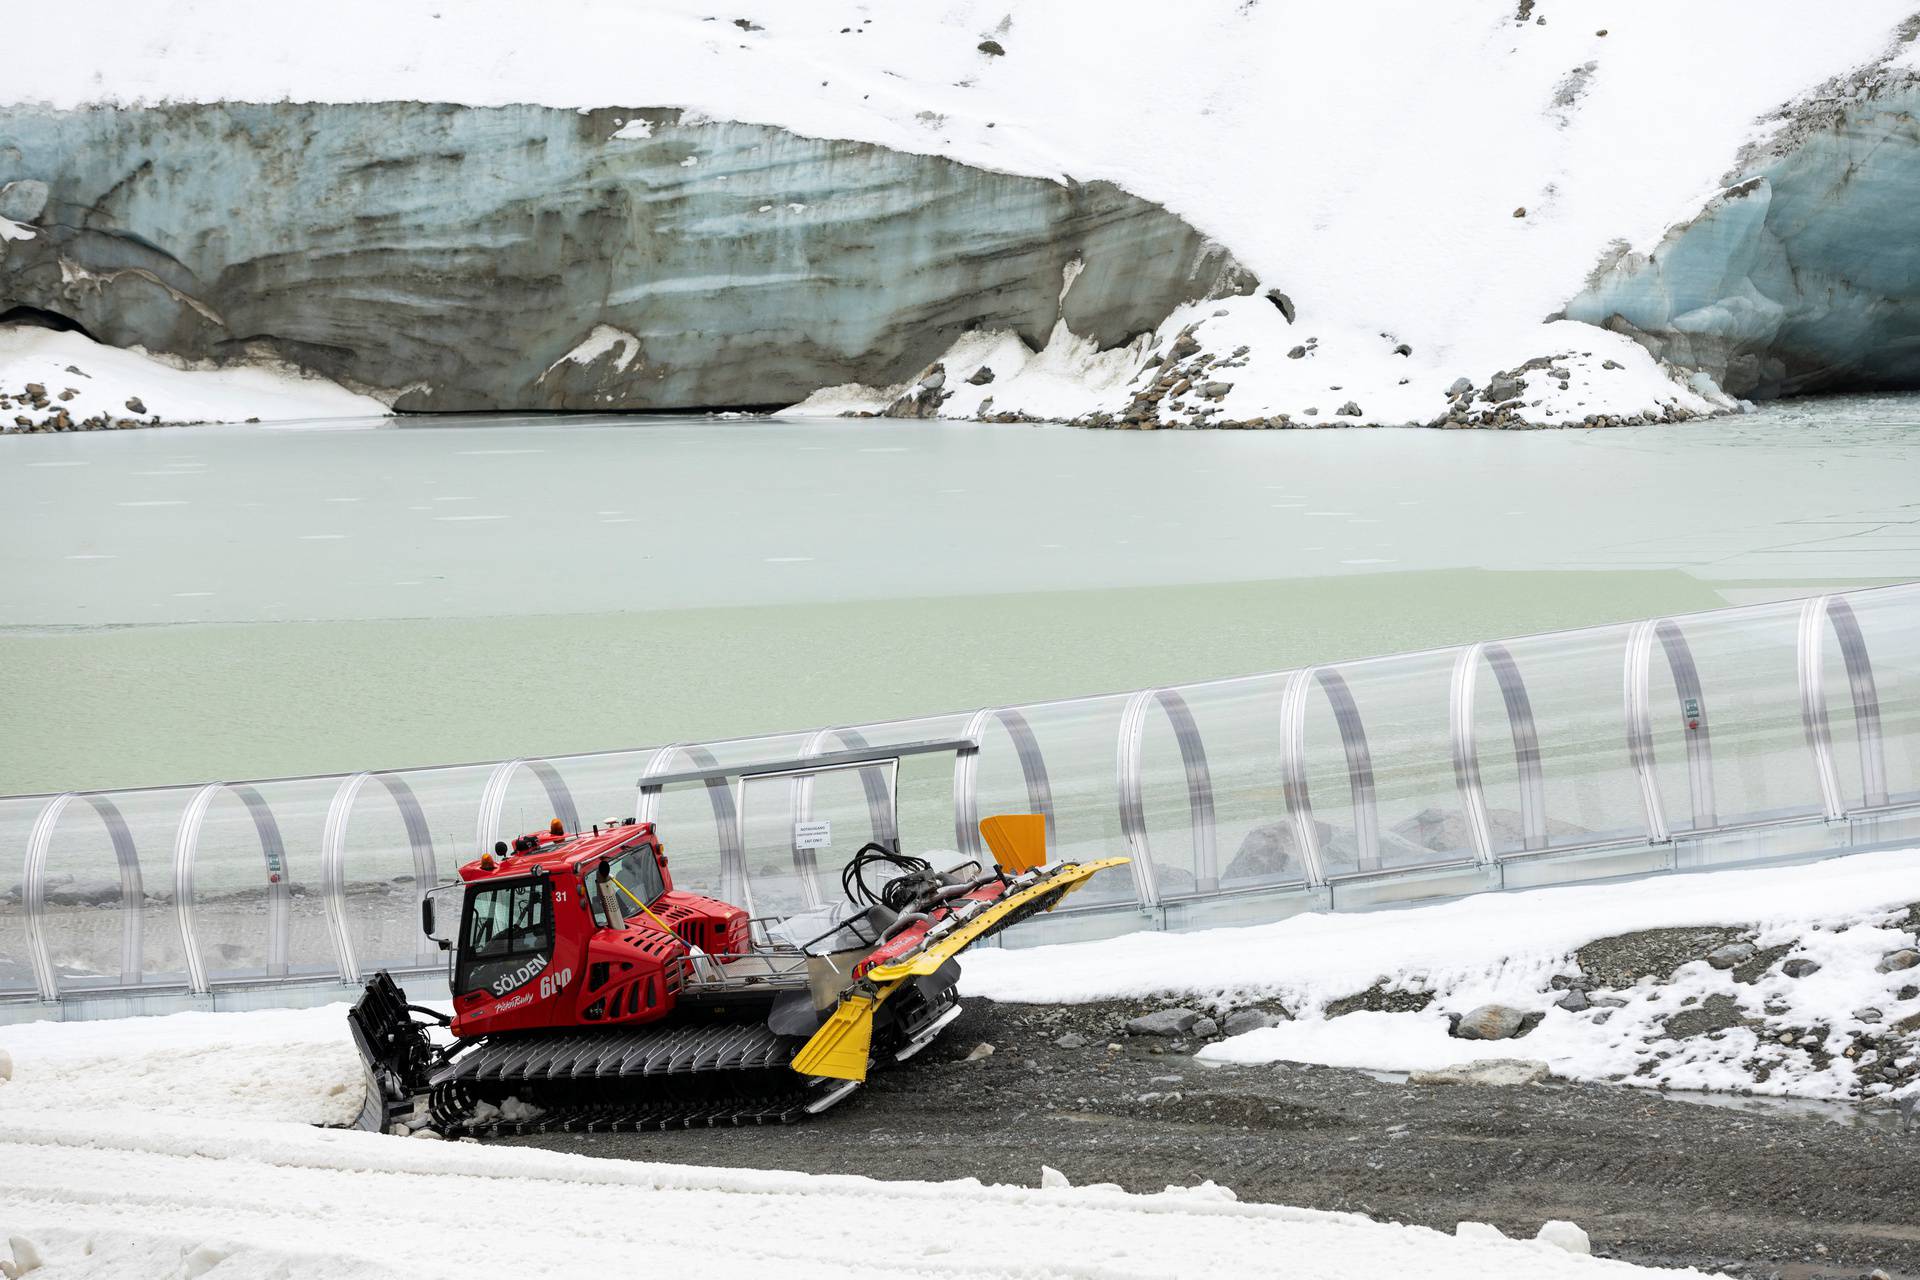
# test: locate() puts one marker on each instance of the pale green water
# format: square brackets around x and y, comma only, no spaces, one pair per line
[229,602]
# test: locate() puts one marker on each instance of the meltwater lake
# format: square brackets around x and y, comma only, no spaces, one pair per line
[240,602]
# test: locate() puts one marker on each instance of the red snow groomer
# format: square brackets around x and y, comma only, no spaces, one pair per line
[590,994]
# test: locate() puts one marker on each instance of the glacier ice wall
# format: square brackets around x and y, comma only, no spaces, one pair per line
[460,258]
[1802,276]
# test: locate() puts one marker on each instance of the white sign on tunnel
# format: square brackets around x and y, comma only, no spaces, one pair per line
[813,835]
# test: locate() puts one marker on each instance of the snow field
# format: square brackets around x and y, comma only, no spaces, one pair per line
[1844,914]
[1439,176]
[175,1196]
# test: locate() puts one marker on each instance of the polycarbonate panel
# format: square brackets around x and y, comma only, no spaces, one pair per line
[783,875]
[1889,621]
[1077,742]
[923,784]
[1236,726]
[1403,705]
[258,909]
[698,822]
[404,833]
[1574,687]
[1749,664]
[16,969]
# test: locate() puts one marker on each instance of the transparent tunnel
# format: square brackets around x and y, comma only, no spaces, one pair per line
[1736,736]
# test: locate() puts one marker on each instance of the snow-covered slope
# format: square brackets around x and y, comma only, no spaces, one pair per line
[1434,177]
[1771,1030]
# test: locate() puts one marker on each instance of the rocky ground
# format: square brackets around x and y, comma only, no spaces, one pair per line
[1652,1178]
[37,407]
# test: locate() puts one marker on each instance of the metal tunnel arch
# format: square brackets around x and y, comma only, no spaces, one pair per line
[1816,616]
[1466,748]
[273,850]
[333,871]
[726,815]
[493,798]
[966,778]
[1293,769]
[1639,714]
[132,891]
[1129,766]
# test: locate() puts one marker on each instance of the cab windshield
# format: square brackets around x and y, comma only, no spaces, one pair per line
[638,874]
[507,938]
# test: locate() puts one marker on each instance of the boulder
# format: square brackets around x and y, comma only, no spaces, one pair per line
[1800,967]
[1906,958]
[1459,387]
[1490,1022]
[1283,302]
[1206,1028]
[1071,1040]
[1163,1022]
[1574,1001]
[992,48]
[1241,1021]
[1489,1071]
[1731,954]
[981,376]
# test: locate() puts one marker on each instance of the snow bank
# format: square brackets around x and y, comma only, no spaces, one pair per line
[1479,163]
[1843,915]
[132,386]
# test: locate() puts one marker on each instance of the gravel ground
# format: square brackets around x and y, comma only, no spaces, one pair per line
[1653,1180]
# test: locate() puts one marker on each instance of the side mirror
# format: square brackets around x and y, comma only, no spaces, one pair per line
[426,918]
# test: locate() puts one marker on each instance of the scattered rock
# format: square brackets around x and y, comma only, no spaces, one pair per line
[1869,1016]
[36,390]
[1623,959]
[979,1051]
[992,48]
[1487,1071]
[1459,387]
[983,375]
[1521,212]
[1071,1040]
[1575,1001]
[1403,350]
[1611,364]
[1564,1235]
[1206,1028]
[1905,958]
[747,25]
[1348,410]
[1726,957]
[1298,353]
[1718,1012]
[1283,302]
[1490,1022]
[1215,390]
[1163,1022]
[1379,999]
[137,406]
[1800,967]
